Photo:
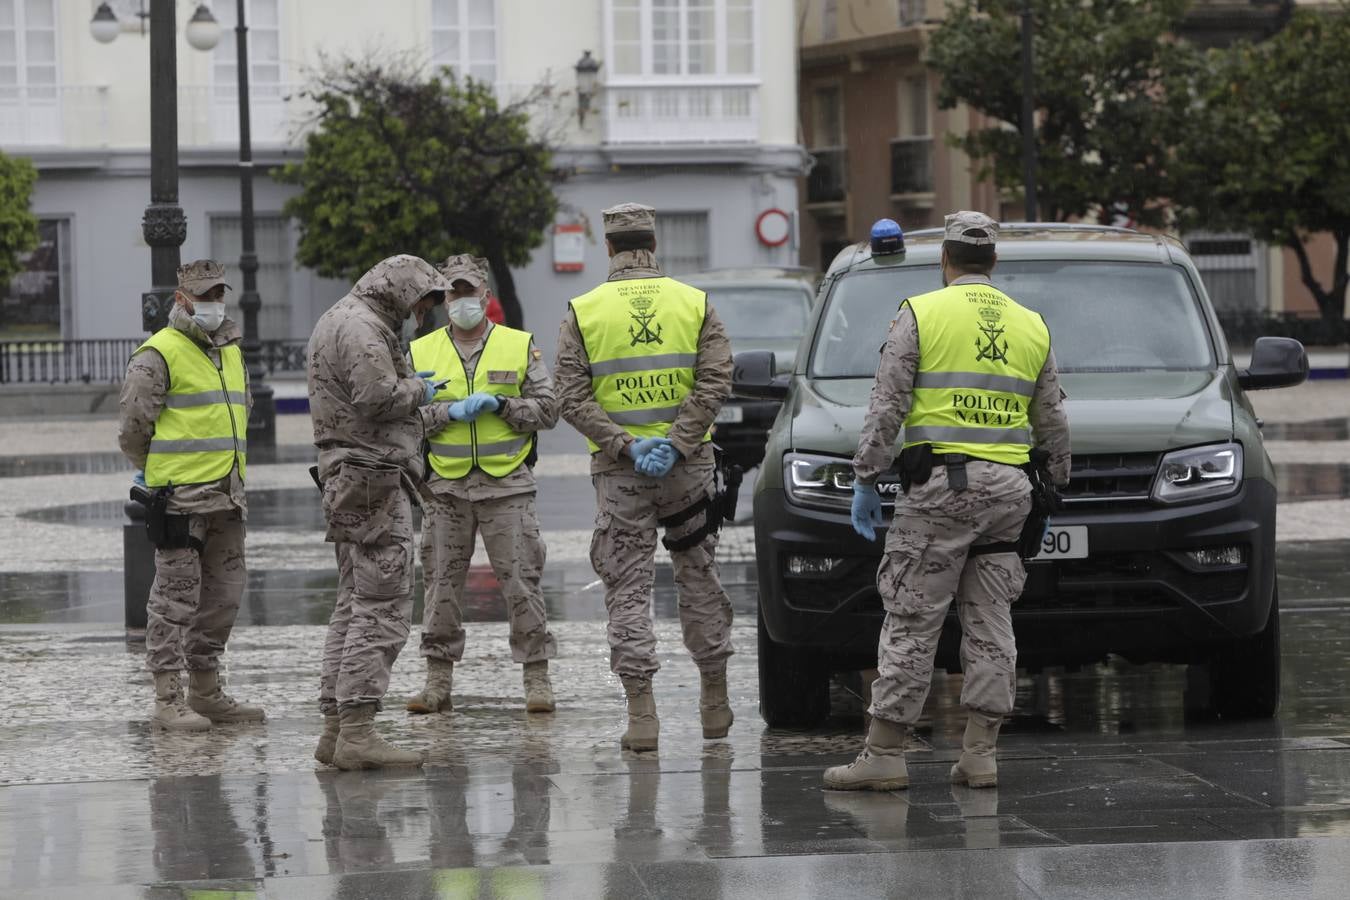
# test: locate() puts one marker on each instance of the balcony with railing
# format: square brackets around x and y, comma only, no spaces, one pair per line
[33,116]
[911,166]
[678,112]
[828,181]
[208,114]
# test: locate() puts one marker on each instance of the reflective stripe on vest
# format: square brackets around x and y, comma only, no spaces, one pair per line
[641,337]
[487,442]
[203,428]
[980,353]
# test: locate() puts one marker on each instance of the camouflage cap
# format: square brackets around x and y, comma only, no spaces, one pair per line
[463,267]
[200,275]
[629,217]
[970,227]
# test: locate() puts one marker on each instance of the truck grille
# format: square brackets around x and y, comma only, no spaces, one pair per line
[1109,478]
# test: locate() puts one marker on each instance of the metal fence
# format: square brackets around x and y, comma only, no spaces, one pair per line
[105,361]
[1244,327]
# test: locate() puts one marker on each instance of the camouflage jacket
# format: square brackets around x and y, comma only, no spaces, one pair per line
[577,403]
[363,396]
[143,393]
[536,409]
[893,396]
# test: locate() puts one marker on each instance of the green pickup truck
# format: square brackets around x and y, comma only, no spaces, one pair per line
[1165,548]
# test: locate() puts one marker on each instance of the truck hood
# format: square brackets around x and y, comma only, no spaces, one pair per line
[1117,412]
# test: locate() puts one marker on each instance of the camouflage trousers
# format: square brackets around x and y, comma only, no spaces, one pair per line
[927,566]
[622,551]
[371,620]
[195,598]
[510,530]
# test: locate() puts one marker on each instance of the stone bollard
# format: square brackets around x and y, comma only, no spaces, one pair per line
[138,569]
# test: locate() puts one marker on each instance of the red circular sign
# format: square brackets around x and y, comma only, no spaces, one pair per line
[773,227]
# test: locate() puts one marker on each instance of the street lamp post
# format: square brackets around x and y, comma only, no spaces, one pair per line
[1028,115]
[163,224]
[262,424]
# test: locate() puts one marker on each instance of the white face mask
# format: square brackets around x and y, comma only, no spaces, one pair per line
[466,312]
[208,314]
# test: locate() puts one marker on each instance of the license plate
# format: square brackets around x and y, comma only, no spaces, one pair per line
[730,415]
[1064,542]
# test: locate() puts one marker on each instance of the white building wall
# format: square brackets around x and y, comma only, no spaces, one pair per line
[98,175]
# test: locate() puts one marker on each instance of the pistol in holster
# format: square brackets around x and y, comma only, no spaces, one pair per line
[720,506]
[166,530]
[1045,502]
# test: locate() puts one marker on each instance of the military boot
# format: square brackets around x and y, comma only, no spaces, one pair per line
[977,767]
[880,766]
[713,707]
[435,697]
[328,740]
[207,697]
[538,688]
[359,747]
[171,711]
[643,726]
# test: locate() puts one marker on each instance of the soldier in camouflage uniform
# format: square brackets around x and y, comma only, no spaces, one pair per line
[933,554]
[500,507]
[195,597]
[650,464]
[365,403]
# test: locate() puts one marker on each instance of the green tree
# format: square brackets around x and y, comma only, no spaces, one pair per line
[18,225]
[404,162]
[1267,150]
[1104,125]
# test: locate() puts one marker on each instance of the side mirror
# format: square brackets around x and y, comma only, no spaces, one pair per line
[1276,362]
[752,375]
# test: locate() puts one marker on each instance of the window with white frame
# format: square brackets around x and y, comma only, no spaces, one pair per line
[914,112]
[912,12]
[682,242]
[264,51]
[464,37]
[27,51]
[272,243]
[669,38]
[36,304]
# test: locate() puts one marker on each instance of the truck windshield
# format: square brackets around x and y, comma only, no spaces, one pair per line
[1103,316]
[761,314]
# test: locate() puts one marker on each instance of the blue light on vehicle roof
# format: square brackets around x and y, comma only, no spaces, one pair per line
[887,237]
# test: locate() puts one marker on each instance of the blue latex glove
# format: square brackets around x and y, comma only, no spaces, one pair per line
[457,411]
[477,404]
[139,478]
[659,461]
[428,378]
[866,514]
[640,448]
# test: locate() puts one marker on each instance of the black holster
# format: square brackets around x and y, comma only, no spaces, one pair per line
[715,509]
[166,530]
[1045,502]
[916,465]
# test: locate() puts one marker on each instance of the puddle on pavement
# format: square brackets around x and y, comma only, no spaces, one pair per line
[103,463]
[1318,430]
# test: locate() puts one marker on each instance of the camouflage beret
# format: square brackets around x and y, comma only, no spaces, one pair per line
[199,276]
[969,227]
[629,217]
[464,267]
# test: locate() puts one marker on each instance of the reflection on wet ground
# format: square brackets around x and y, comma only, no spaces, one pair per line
[1108,787]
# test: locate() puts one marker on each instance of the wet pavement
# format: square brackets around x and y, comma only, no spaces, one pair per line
[1116,782]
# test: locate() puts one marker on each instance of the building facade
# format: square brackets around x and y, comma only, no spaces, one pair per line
[695,114]
[871,123]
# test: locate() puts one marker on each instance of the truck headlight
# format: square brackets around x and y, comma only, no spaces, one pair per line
[824,482]
[1199,473]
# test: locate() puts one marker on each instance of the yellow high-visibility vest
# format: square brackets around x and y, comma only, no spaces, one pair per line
[980,353]
[203,429]
[487,442]
[641,335]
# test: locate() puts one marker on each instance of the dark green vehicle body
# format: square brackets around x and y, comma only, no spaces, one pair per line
[1139,593]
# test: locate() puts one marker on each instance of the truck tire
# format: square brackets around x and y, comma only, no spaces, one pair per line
[794,685]
[1244,677]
